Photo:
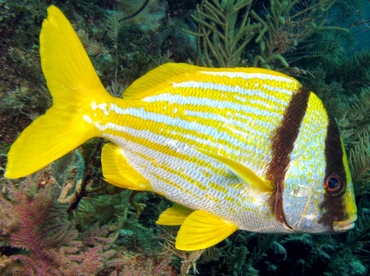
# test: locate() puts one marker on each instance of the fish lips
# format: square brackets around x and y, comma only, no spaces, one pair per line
[345,225]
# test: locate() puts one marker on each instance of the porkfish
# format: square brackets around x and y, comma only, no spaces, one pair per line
[233,148]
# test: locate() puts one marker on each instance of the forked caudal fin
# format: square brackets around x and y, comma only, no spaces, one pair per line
[74,85]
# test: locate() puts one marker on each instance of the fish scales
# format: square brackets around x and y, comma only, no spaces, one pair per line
[234,148]
[215,129]
[163,136]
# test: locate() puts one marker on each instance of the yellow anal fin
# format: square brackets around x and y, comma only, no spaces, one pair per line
[174,215]
[252,180]
[201,230]
[118,172]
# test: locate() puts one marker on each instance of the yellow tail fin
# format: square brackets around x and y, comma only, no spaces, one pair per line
[74,85]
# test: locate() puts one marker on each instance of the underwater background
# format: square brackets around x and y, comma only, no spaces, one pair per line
[65,220]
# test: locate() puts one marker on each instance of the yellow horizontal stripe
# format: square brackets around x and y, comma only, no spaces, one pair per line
[180,134]
[177,186]
[166,150]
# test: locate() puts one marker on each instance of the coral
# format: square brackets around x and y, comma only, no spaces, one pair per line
[359,158]
[281,30]
[287,26]
[37,232]
[42,236]
[353,82]
[140,266]
[221,34]
[188,259]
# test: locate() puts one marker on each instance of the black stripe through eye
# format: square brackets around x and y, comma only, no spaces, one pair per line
[334,185]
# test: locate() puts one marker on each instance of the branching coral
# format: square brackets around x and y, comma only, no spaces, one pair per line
[226,29]
[353,72]
[221,33]
[288,24]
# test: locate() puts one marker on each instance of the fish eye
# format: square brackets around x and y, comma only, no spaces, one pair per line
[334,185]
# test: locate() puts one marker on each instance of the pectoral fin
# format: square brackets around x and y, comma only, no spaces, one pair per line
[174,215]
[201,230]
[244,173]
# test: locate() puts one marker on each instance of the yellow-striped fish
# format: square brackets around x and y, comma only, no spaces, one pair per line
[241,148]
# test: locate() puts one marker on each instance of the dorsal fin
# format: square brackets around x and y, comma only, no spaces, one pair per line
[158,78]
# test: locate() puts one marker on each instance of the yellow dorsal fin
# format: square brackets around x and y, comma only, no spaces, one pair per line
[174,215]
[73,84]
[158,78]
[245,174]
[117,171]
[201,230]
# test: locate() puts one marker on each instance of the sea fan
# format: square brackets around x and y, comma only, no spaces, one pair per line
[41,227]
[45,239]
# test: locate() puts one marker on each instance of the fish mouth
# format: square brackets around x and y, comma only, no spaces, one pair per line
[345,225]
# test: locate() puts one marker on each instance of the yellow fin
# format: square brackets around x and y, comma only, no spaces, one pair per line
[162,77]
[73,84]
[201,230]
[118,172]
[67,68]
[244,173]
[159,77]
[174,215]
[46,139]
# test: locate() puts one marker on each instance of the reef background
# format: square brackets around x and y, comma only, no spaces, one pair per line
[65,220]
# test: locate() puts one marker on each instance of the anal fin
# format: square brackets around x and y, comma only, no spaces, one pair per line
[118,172]
[174,215]
[201,230]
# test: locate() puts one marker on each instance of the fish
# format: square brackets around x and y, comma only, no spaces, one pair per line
[233,148]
